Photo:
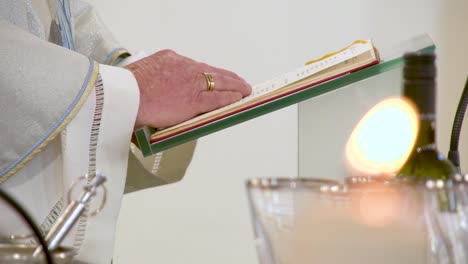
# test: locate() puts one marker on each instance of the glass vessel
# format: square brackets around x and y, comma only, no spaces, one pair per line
[305,220]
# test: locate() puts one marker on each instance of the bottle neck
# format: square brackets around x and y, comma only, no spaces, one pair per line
[422,93]
[426,135]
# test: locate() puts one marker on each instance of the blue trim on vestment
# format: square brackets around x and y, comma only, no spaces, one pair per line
[65,23]
[57,124]
[111,55]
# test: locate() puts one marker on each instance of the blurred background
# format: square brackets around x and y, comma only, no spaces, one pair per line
[205,217]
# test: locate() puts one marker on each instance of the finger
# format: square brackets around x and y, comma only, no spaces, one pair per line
[212,69]
[210,101]
[226,83]
[225,72]
[233,75]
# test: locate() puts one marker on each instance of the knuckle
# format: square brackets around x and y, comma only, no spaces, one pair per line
[205,67]
[166,52]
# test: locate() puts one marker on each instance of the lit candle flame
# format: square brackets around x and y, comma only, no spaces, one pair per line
[384,138]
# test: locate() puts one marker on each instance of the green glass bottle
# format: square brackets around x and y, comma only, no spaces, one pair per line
[425,162]
[419,86]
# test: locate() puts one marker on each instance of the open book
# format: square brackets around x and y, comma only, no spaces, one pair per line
[360,54]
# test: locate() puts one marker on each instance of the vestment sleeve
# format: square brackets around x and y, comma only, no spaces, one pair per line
[43,86]
[91,37]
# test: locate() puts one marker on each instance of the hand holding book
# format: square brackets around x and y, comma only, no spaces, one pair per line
[173,89]
[360,54]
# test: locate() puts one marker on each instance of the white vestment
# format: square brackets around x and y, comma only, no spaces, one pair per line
[93,134]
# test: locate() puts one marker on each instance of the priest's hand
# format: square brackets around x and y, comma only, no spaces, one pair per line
[174,88]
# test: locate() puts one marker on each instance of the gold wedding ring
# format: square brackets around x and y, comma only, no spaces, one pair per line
[209,81]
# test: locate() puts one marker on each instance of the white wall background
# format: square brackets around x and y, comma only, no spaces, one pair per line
[205,218]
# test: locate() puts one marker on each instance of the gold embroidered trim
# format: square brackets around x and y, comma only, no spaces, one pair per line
[117,55]
[68,119]
[357,42]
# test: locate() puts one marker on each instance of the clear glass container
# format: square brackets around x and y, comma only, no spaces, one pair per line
[305,220]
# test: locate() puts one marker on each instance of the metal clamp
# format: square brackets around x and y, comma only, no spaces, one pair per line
[88,188]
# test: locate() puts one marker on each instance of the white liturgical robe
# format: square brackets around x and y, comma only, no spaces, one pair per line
[68,111]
